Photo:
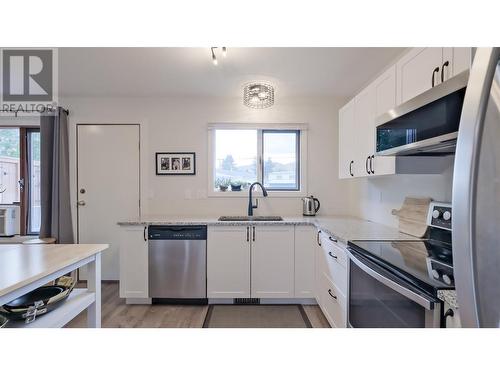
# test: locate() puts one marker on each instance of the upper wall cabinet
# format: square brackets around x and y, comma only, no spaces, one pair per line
[357,129]
[347,140]
[414,73]
[423,68]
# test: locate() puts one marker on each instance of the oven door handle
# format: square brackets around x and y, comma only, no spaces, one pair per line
[425,302]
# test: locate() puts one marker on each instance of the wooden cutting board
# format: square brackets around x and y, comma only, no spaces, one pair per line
[413,216]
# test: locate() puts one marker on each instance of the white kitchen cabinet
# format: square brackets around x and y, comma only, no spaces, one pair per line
[452,319]
[422,68]
[416,70]
[333,303]
[347,141]
[134,262]
[305,242]
[413,74]
[332,261]
[228,262]
[272,262]
[459,58]
[250,261]
[331,279]
[364,109]
[357,129]
[384,92]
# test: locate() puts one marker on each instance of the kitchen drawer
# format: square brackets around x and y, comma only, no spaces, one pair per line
[332,269]
[330,245]
[333,303]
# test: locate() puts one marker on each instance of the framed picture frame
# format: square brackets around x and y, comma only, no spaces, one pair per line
[175,163]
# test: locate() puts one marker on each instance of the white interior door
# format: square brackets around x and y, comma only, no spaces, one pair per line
[108,187]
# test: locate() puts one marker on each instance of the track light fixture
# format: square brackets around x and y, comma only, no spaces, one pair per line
[214,57]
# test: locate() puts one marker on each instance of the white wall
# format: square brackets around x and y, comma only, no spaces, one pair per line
[374,198]
[180,124]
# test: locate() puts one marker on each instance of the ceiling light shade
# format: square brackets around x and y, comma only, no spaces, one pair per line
[258,95]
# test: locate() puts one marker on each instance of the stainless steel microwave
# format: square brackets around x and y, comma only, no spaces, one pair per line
[425,125]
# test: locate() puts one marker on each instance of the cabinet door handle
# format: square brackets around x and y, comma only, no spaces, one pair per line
[366,165]
[436,70]
[350,168]
[317,237]
[371,164]
[144,234]
[332,239]
[253,234]
[331,295]
[446,63]
[333,256]
[248,234]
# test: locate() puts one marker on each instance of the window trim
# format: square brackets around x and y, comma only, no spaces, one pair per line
[301,128]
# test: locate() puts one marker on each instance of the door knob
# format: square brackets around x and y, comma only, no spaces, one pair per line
[80,203]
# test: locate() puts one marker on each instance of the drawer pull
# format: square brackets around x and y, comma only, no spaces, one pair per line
[333,256]
[317,238]
[333,239]
[331,295]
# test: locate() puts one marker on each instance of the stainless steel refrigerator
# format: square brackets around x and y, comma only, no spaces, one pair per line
[476,195]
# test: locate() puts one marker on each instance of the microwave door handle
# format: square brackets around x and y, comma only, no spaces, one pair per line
[426,303]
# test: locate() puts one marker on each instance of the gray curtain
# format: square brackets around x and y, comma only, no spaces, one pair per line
[54,177]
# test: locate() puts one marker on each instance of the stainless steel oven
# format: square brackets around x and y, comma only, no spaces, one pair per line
[396,283]
[379,298]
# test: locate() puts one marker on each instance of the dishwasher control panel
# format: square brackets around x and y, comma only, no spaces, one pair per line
[177,232]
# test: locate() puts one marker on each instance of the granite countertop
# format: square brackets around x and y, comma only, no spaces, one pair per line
[344,228]
[449,296]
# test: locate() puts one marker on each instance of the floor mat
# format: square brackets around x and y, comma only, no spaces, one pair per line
[256,316]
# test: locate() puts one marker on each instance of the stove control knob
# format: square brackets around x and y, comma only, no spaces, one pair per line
[435,214]
[447,215]
[447,279]
[436,274]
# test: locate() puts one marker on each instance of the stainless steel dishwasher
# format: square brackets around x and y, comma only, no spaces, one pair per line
[177,263]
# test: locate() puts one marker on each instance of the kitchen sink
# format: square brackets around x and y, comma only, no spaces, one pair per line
[250,218]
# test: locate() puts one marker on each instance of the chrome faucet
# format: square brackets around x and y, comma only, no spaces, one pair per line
[251,206]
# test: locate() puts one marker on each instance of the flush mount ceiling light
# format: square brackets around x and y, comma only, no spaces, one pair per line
[258,95]
[214,57]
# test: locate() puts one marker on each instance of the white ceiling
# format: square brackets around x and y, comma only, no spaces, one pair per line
[147,72]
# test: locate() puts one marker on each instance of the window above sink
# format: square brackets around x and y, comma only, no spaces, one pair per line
[272,154]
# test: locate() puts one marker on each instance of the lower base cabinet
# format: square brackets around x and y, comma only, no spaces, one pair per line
[272,270]
[332,302]
[134,279]
[305,244]
[331,279]
[228,262]
[250,262]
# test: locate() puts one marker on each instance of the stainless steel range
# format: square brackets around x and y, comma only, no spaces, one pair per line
[395,283]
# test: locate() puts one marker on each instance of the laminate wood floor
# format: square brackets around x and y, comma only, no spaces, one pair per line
[116,314]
